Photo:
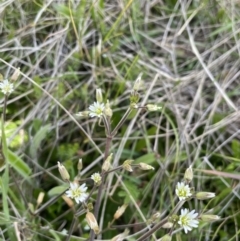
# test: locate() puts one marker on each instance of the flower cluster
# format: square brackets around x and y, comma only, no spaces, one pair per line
[189,219]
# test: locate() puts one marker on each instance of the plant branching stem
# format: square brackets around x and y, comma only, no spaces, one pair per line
[154,229]
[120,123]
[100,190]
[109,139]
[162,222]
[51,201]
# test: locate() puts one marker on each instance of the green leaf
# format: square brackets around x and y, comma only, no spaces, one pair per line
[10,128]
[147,159]
[38,138]
[4,180]
[18,164]
[236,148]
[131,187]
[57,190]
[62,9]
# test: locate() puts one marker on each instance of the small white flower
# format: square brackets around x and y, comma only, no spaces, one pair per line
[187,220]
[77,192]
[6,87]
[96,177]
[96,109]
[183,191]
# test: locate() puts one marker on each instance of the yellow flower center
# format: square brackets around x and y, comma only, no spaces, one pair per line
[185,220]
[182,193]
[76,193]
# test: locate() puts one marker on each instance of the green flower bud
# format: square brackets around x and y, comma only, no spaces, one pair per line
[134,98]
[144,166]
[151,107]
[80,165]
[63,172]
[83,114]
[209,218]
[166,237]
[108,111]
[138,83]
[15,75]
[121,236]
[167,225]
[99,97]
[188,176]
[127,165]
[205,195]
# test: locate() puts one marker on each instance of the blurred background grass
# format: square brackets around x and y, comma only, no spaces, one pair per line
[188,52]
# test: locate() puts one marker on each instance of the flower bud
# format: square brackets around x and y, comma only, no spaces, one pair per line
[167,225]
[108,111]
[107,163]
[155,216]
[205,195]
[99,97]
[134,98]
[96,177]
[209,218]
[134,106]
[83,114]
[89,206]
[188,176]
[40,198]
[80,165]
[127,165]
[15,75]
[63,172]
[151,107]
[92,222]
[166,237]
[120,211]
[138,83]
[121,236]
[145,167]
